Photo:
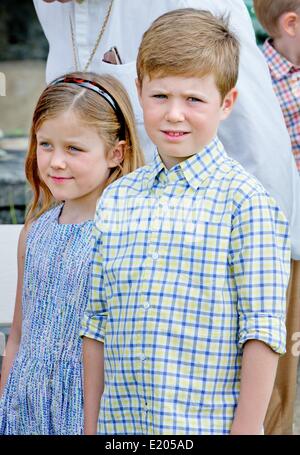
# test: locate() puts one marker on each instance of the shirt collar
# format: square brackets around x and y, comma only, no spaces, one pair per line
[195,169]
[155,168]
[279,65]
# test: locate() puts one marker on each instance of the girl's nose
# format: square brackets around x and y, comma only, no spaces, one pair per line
[58,160]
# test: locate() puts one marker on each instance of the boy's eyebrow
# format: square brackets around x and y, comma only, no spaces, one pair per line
[189,93]
[194,94]
[158,89]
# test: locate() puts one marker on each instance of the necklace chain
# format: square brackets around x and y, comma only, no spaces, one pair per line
[75,48]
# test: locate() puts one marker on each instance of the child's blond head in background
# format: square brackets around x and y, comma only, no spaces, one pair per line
[270,13]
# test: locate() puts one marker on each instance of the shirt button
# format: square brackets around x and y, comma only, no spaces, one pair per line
[155,256]
[143,357]
[146,306]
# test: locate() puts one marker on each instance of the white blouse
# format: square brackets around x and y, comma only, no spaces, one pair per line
[254,134]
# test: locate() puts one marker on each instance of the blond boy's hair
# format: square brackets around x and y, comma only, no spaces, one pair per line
[268,13]
[190,42]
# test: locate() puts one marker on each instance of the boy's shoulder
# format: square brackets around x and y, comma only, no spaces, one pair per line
[129,184]
[279,66]
[230,180]
[237,183]
[238,176]
[241,194]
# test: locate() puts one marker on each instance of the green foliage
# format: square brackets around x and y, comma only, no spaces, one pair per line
[16,132]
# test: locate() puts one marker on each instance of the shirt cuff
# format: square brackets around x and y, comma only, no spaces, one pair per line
[263,327]
[93,326]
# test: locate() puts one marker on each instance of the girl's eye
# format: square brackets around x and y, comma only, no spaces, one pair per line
[45,145]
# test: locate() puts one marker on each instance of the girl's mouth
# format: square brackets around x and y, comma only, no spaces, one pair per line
[57,179]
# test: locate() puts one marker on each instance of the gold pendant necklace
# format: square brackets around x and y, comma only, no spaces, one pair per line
[75,48]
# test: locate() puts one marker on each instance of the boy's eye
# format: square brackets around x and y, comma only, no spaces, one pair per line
[160,96]
[193,99]
[74,149]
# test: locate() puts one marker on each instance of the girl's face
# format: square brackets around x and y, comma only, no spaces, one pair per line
[72,159]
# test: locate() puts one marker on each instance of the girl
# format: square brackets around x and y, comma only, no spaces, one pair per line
[82,138]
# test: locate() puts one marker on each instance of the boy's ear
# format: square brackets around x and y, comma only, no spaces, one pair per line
[228,102]
[288,23]
[139,89]
[116,154]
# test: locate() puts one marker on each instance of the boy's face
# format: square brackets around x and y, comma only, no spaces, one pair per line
[182,114]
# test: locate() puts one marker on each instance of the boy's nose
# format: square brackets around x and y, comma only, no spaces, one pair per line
[175,113]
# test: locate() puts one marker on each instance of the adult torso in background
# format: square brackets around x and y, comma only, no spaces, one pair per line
[255,134]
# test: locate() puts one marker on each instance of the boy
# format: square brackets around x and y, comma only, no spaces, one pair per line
[281,19]
[191,258]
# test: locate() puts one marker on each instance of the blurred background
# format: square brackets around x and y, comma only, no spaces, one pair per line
[23,51]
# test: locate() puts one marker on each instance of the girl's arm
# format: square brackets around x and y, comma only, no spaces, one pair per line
[93,365]
[258,372]
[14,338]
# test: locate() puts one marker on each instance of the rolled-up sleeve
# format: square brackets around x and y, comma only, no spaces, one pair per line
[260,255]
[95,315]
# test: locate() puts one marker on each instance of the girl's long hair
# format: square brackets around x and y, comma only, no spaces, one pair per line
[96,112]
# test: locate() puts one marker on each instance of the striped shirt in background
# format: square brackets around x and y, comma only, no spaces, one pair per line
[286,83]
[188,264]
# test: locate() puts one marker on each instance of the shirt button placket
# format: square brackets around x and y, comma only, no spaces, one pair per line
[155,256]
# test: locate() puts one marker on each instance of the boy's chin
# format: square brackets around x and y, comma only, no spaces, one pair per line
[171,159]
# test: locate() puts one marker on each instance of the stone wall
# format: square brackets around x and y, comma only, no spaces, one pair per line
[14,195]
[23,51]
[25,82]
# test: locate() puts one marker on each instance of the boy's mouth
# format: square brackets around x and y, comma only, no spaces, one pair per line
[175,133]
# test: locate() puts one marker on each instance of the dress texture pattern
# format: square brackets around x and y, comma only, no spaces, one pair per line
[44,390]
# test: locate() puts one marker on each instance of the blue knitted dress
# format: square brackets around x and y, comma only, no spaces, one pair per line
[44,391]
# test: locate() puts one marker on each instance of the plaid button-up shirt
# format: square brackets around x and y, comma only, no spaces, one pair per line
[188,264]
[286,83]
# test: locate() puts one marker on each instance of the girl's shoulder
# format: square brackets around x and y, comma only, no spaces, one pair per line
[49,217]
